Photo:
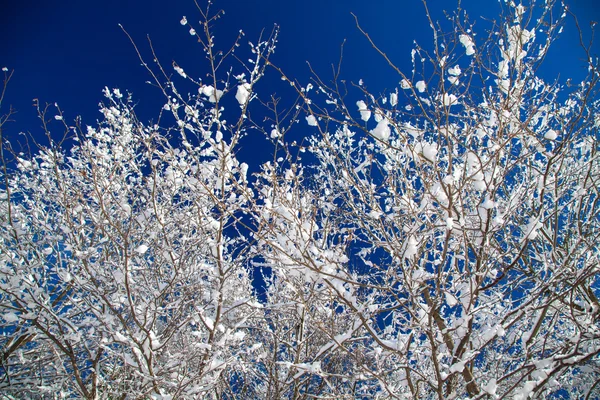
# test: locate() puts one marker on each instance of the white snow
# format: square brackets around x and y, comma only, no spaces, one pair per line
[488,204]
[479,184]
[393,99]
[450,299]
[490,387]
[382,130]
[531,230]
[458,367]
[10,317]
[454,71]
[421,86]
[430,151]
[183,21]
[243,93]
[365,114]
[210,92]
[180,71]
[375,214]
[207,90]
[448,99]
[411,248]
[141,249]
[405,84]
[311,120]
[466,41]
[551,135]
[524,393]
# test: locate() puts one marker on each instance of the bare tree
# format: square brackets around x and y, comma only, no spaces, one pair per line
[123,270]
[456,218]
[437,241]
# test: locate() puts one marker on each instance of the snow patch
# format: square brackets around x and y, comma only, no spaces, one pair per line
[180,71]
[551,135]
[311,120]
[365,114]
[454,71]
[490,387]
[382,130]
[243,93]
[210,92]
[430,151]
[448,99]
[141,249]
[467,42]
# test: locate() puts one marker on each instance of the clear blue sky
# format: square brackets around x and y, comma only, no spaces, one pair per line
[67,51]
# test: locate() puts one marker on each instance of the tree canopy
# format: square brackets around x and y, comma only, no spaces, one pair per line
[439,240]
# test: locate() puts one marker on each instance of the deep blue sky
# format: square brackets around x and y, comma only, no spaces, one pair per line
[67,51]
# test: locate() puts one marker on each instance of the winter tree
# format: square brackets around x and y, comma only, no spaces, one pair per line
[438,241]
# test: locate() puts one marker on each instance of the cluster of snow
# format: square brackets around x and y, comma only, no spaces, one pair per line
[448,99]
[180,71]
[243,93]
[382,130]
[468,43]
[393,99]
[551,135]
[365,114]
[411,248]
[475,172]
[454,73]
[311,120]
[490,387]
[141,249]
[531,230]
[430,151]
[210,92]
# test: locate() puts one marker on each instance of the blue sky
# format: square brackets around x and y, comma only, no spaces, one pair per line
[67,51]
